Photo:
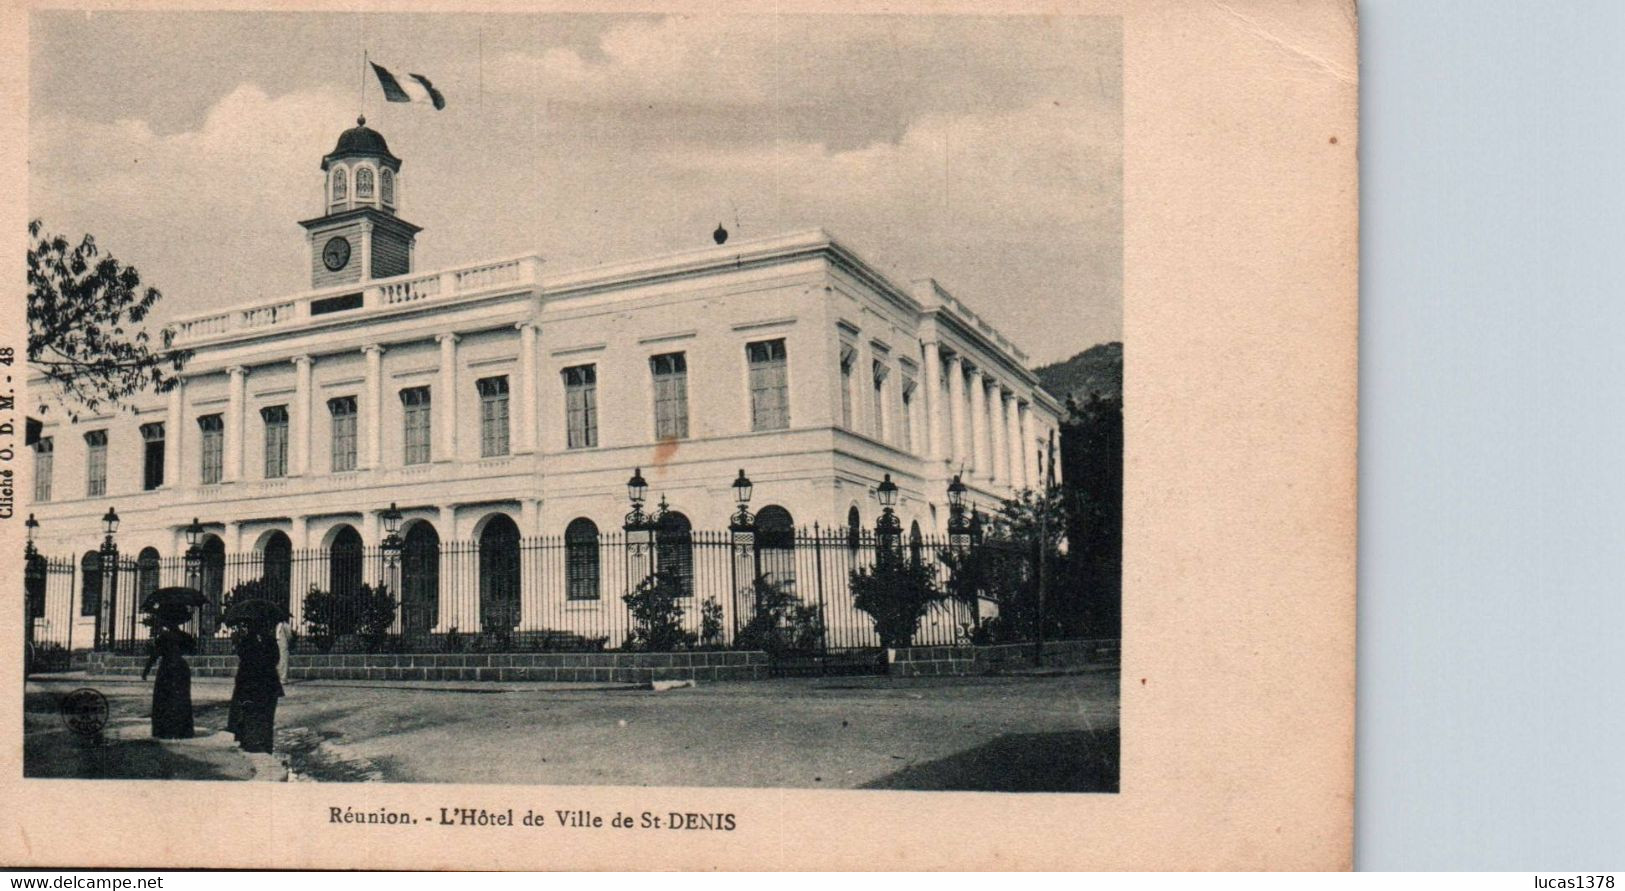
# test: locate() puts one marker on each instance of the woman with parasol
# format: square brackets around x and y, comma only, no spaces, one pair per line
[257,688]
[172,692]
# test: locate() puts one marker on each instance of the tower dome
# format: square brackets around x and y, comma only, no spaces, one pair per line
[360,170]
[360,141]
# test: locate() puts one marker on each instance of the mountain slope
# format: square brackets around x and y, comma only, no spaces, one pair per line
[1098,369]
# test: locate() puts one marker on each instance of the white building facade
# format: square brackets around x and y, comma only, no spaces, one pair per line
[503,389]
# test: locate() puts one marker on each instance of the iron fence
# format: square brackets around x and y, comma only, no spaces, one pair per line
[558,593]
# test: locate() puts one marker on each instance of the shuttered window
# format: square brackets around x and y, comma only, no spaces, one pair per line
[152,455]
[96,463]
[342,409]
[44,463]
[581,407]
[493,416]
[415,403]
[276,441]
[769,385]
[212,448]
[671,395]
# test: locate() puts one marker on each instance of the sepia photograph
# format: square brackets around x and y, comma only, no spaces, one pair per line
[574,399]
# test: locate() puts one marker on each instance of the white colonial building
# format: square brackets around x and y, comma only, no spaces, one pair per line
[503,391]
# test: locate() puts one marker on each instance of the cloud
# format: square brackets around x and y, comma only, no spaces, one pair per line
[1001,180]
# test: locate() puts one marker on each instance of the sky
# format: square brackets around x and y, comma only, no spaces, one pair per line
[984,152]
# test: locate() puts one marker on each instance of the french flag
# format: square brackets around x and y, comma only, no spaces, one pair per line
[416,89]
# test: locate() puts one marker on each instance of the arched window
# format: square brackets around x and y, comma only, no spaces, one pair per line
[581,559]
[776,546]
[212,583]
[344,562]
[90,583]
[674,548]
[916,543]
[499,575]
[341,186]
[277,554]
[386,186]
[363,183]
[854,529]
[420,579]
[146,573]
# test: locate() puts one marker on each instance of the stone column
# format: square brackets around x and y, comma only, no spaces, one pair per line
[956,411]
[299,532]
[174,433]
[372,536]
[978,424]
[931,390]
[366,244]
[448,523]
[999,447]
[233,451]
[299,443]
[372,412]
[530,516]
[1029,453]
[525,390]
[234,537]
[885,429]
[1012,420]
[446,399]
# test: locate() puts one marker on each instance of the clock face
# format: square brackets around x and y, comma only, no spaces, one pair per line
[336,253]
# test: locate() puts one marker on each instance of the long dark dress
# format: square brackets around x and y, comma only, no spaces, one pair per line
[255,693]
[172,691]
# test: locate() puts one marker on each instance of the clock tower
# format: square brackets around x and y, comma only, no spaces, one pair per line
[359,237]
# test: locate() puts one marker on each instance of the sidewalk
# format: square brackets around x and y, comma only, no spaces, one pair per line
[85,679]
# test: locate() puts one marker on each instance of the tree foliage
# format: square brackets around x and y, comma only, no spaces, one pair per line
[896,593]
[85,312]
[656,605]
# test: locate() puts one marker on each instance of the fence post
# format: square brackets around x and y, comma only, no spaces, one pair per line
[818,581]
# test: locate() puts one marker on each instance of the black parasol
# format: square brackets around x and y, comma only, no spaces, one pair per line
[172,596]
[254,611]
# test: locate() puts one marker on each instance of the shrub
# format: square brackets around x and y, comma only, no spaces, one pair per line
[896,594]
[711,623]
[782,624]
[366,610]
[657,614]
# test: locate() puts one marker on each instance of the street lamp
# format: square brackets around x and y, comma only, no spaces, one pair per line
[743,532]
[958,527]
[392,525]
[638,527]
[194,555]
[742,490]
[637,489]
[392,555]
[33,578]
[109,569]
[888,529]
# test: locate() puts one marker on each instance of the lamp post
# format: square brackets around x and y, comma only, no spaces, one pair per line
[742,528]
[33,580]
[194,555]
[105,632]
[958,526]
[888,529]
[392,545]
[639,529]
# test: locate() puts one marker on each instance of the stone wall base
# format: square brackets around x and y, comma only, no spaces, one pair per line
[622,668]
[913,662]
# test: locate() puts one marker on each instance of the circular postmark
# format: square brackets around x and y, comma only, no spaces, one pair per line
[84,711]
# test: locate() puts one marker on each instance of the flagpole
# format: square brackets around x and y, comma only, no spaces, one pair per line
[362,111]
